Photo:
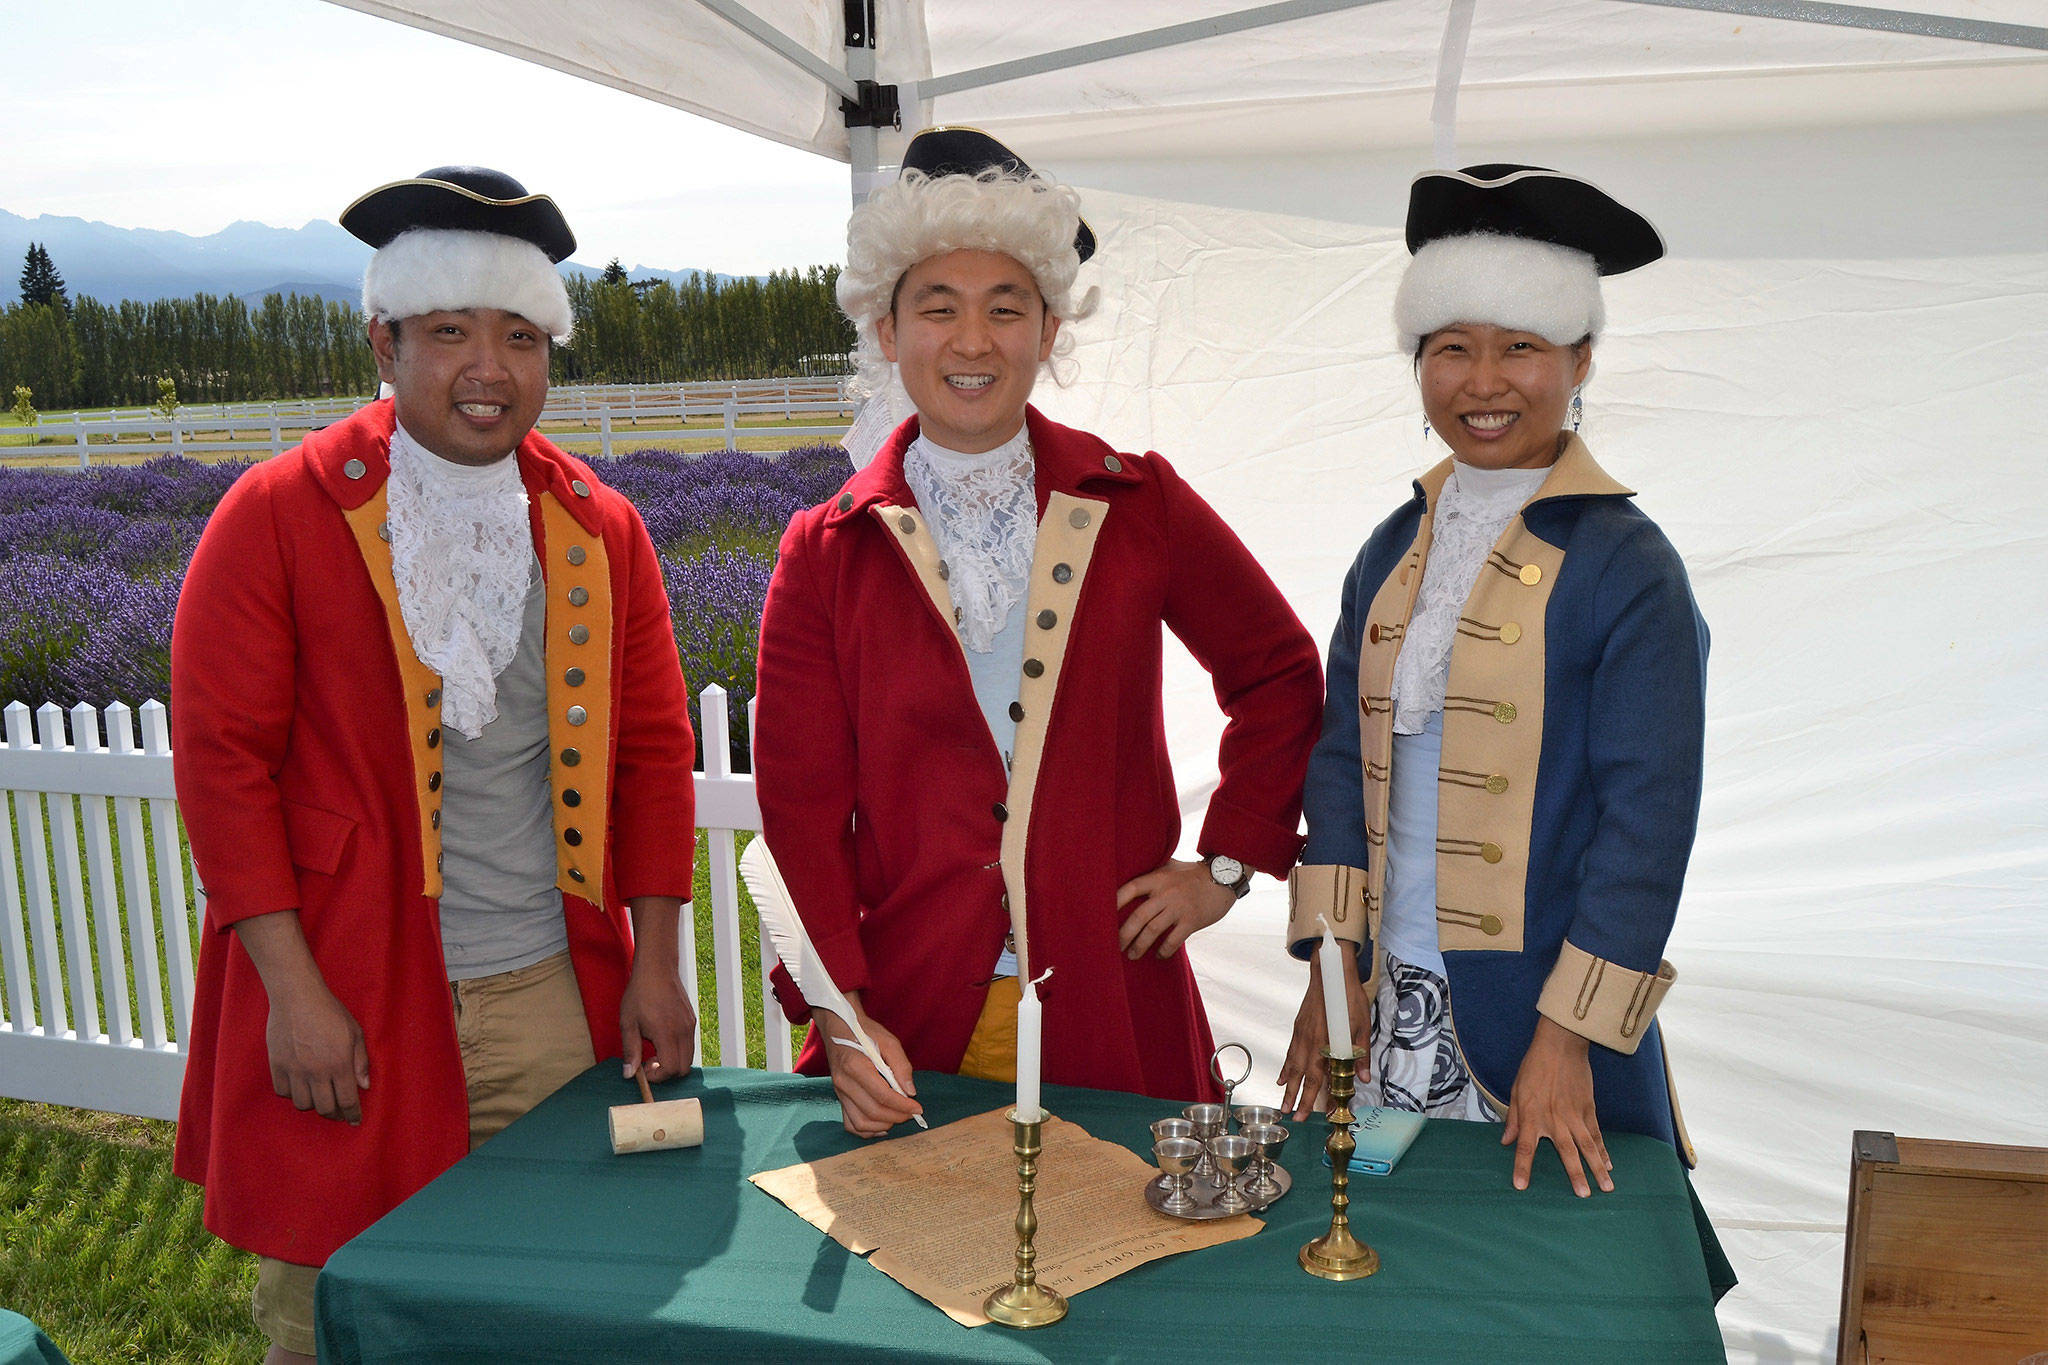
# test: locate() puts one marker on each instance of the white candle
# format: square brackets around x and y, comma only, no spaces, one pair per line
[1336,1013]
[1028,1021]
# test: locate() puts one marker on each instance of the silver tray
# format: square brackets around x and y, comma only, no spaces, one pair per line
[1205,1196]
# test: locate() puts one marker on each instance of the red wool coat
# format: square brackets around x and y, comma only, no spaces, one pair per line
[886,802]
[306,739]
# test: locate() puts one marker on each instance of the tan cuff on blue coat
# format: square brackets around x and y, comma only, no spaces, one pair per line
[1325,891]
[1601,1000]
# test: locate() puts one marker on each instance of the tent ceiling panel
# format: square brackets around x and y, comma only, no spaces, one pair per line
[1294,84]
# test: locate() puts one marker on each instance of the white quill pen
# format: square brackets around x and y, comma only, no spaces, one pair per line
[793,945]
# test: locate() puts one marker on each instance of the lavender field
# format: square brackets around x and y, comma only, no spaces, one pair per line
[91,563]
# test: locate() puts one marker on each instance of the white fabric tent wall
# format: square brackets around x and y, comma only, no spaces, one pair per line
[1829,395]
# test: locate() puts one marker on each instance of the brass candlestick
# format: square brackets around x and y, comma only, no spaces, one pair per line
[1337,1255]
[1024,1302]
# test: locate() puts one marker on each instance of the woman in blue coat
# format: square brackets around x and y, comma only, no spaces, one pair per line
[1503,799]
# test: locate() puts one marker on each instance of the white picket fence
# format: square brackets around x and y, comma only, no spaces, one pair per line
[100,909]
[604,411]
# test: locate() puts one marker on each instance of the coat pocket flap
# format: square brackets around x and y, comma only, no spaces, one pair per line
[317,838]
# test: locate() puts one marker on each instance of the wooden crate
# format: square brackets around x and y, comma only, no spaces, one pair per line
[1947,1254]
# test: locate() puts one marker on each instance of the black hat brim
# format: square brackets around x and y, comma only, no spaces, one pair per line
[1530,201]
[388,210]
[969,151]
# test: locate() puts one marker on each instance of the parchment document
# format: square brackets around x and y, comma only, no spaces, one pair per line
[938,1210]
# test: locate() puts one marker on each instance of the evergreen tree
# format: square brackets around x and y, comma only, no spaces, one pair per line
[40,282]
[614,273]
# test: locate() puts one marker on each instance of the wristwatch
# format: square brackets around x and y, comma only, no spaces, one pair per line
[1225,870]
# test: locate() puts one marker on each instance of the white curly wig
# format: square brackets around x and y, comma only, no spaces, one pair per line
[1031,219]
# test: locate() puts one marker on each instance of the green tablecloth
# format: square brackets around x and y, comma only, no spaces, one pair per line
[542,1245]
[23,1343]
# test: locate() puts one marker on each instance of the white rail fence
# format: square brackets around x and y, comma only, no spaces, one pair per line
[601,410]
[100,910]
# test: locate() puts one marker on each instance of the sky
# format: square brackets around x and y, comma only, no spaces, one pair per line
[193,114]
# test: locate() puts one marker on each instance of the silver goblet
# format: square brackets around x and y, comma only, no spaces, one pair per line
[1252,1115]
[1269,1138]
[1176,1157]
[1170,1128]
[1209,1121]
[1231,1151]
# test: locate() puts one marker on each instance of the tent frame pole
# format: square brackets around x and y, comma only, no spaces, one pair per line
[1910,22]
[782,45]
[1173,35]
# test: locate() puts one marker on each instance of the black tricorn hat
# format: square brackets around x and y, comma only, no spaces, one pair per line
[471,197]
[969,151]
[1534,202]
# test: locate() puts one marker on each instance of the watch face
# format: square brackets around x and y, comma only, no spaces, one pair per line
[1226,871]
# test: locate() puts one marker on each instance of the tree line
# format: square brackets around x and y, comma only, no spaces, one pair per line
[81,353]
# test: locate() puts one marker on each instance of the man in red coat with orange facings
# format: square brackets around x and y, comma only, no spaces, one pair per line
[960,750]
[432,753]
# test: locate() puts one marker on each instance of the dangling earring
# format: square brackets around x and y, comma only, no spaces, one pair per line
[1425,428]
[1578,410]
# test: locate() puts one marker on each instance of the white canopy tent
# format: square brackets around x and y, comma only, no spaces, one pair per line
[1830,395]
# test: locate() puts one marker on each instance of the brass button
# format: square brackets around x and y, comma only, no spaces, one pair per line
[433,782]
[1112,464]
[1048,618]
[1504,712]
[944,572]
[434,738]
[1016,710]
[846,502]
[435,819]
[1496,784]
[1033,668]
[1510,633]
[1532,574]
[1001,812]
[579,635]
[1489,925]
[571,757]
[1078,518]
[574,677]
[355,469]
[576,875]
[437,861]
[1062,573]
[579,488]
[572,837]
[433,696]
[577,554]
[1490,852]
[906,524]
[578,596]
[577,715]
[572,797]
[384,531]
[1374,633]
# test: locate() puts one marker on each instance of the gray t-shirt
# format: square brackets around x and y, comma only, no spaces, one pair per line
[500,910]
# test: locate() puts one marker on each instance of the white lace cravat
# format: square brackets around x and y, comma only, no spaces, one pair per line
[983,511]
[1474,508]
[462,556]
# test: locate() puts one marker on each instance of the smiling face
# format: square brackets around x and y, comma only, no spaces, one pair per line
[1498,397]
[968,332]
[469,384]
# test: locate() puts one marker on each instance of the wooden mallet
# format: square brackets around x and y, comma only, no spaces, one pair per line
[655,1126]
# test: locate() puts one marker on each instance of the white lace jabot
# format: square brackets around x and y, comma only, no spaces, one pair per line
[983,511]
[462,558]
[1472,511]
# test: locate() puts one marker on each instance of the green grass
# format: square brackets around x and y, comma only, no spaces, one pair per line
[103,1247]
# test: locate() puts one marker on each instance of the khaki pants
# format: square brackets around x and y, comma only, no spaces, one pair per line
[523,1036]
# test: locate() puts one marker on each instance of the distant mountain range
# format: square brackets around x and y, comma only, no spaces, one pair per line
[245,259]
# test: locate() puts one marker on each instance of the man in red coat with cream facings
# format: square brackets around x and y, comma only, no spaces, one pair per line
[960,748]
[433,756]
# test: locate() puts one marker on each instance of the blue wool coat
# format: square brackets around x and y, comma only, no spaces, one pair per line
[1569,787]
